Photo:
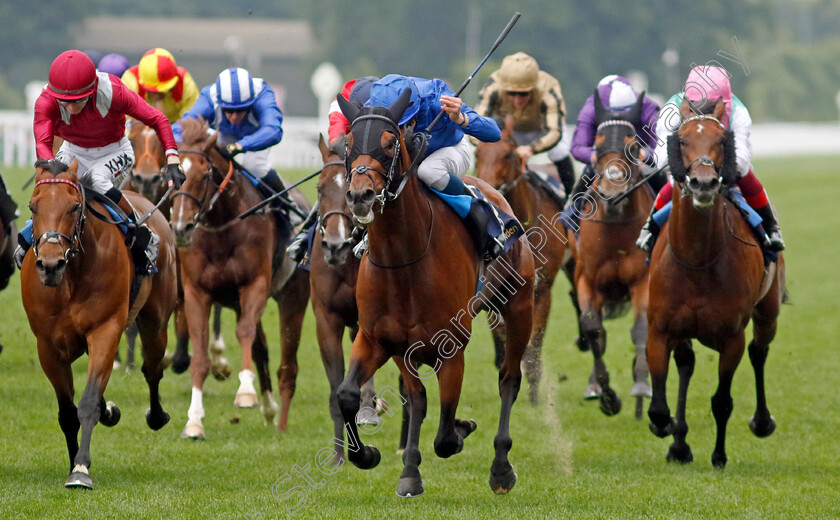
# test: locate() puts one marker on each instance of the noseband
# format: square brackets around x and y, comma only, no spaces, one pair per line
[682,172]
[356,230]
[146,153]
[54,237]
[202,212]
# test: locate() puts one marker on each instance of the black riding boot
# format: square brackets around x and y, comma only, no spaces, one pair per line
[577,203]
[143,243]
[477,222]
[297,249]
[271,184]
[566,171]
[771,227]
[649,233]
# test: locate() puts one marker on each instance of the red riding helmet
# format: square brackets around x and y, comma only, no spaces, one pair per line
[72,76]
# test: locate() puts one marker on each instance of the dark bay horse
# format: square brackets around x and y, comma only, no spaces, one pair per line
[707,280]
[332,277]
[498,165]
[609,269]
[239,264]
[75,284]
[148,178]
[417,294]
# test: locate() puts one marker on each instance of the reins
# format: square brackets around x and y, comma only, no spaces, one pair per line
[54,237]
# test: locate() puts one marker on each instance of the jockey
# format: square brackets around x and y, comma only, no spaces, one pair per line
[736,118]
[88,109]
[114,64]
[448,154]
[535,100]
[162,83]
[244,111]
[617,96]
[356,91]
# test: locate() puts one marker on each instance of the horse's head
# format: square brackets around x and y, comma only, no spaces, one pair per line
[497,163]
[336,222]
[617,149]
[148,177]
[373,157]
[57,207]
[701,153]
[205,170]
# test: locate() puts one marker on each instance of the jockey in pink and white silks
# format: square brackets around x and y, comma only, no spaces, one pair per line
[710,83]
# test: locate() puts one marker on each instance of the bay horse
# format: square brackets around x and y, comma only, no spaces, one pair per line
[332,278]
[239,264]
[75,283]
[707,280]
[609,269]
[148,178]
[417,292]
[499,165]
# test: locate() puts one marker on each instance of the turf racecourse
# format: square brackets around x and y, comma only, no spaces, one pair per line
[572,461]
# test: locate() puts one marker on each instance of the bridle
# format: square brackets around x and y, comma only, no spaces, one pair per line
[205,206]
[357,230]
[147,134]
[515,165]
[703,160]
[54,237]
[613,143]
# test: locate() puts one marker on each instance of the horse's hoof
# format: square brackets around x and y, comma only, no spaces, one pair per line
[220,371]
[79,478]
[763,427]
[381,405]
[116,365]
[679,453]
[582,344]
[593,391]
[400,451]
[410,487]
[180,364]
[719,460]
[246,401]
[193,431]
[501,484]
[665,430]
[642,389]
[156,422]
[130,367]
[370,458]
[166,361]
[367,415]
[465,428]
[610,403]
[112,415]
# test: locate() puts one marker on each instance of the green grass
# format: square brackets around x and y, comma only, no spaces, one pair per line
[572,461]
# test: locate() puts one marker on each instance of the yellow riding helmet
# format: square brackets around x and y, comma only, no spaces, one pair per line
[158,71]
[518,73]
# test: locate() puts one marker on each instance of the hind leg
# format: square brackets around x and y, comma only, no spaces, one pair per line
[154,336]
[638,334]
[680,451]
[259,354]
[451,431]
[532,359]
[765,314]
[328,329]
[593,330]
[181,357]
[292,303]
[411,483]
[731,351]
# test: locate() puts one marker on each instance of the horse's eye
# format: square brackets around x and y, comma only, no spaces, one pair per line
[76,208]
[33,209]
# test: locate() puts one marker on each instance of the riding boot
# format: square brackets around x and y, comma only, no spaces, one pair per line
[648,233]
[297,248]
[771,226]
[575,203]
[567,173]
[271,184]
[143,243]
[477,221]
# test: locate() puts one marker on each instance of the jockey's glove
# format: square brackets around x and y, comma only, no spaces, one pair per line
[233,149]
[175,173]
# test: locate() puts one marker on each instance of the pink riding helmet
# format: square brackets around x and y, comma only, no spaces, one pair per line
[708,82]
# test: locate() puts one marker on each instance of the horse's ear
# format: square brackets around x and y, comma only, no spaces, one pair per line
[600,110]
[400,105]
[73,168]
[350,110]
[210,142]
[635,114]
[685,109]
[720,108]
[322,146]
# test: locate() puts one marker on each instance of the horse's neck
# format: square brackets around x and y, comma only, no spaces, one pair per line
[523,200]
[230,203]
[401,232]
[696,236]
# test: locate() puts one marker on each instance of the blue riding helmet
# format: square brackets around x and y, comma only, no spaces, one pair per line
[235,89]
[384,92]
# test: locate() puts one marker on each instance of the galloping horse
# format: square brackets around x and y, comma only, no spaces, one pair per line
[417,292]
[75,284]
[609,268]
[498,165]
[332,277]
[707,279]
[238,263]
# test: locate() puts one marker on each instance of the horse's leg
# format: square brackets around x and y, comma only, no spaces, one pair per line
[658,356]
[102,345]
[61,377]
[131,339]
[638,334]
[596,337]
[519,319]
[252,299]
[292,303]
[569,269]
[259,354]
[405,417]
[498,333]
[197,309]
[181,358]
[365,358]
[218,341]
[533,363]
[731,351]
[154,334]
[411,483]
[329,329]
[679,450]
[762,423]
[451,431]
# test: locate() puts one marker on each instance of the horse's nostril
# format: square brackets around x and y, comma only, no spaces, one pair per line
[348,196]
[693,183]
[39,264]
[714,183]
[368,196]
[60,264]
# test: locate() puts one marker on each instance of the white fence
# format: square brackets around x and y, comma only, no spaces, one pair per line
[299,148]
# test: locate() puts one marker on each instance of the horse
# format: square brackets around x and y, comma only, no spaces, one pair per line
[238,263]
[148,178]
[8,233]
[75,284]
[332,278]
[417,290]
[609,269]
[707,280]
[498,165]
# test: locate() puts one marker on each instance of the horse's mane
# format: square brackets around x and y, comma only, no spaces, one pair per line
[54,166]
[194,130]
